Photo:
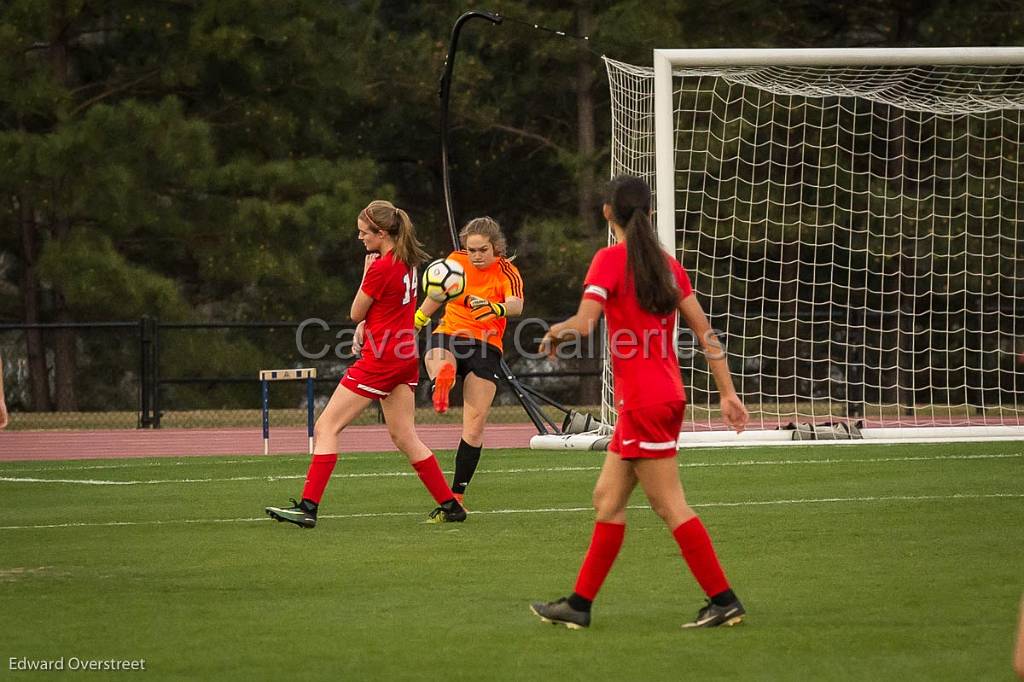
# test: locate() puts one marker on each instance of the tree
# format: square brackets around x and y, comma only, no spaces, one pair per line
[206,160]
[161,159]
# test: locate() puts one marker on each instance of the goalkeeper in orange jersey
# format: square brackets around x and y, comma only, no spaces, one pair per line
[468,340]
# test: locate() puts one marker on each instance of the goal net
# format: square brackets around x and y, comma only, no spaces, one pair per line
[851,222]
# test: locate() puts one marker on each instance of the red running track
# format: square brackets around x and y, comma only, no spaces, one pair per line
[113,443]
[57,445]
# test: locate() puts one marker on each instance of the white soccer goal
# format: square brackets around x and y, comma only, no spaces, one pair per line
[851,219]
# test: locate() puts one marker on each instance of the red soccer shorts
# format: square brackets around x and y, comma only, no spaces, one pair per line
[650,432]
[376,379]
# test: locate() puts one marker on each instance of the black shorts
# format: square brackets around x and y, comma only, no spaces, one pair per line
[471,355]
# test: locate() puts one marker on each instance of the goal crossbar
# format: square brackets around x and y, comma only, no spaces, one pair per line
[841,56]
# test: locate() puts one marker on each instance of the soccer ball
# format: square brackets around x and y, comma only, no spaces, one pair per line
[444,279]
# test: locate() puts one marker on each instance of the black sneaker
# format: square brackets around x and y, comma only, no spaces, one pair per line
[560,613]
[300,513]
[713,615]
[449,512]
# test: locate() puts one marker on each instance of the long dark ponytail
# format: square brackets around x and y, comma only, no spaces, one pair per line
[630,201]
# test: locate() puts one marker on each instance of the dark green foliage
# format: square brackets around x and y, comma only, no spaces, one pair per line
[206,160]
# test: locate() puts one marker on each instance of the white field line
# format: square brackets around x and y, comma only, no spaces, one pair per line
[347,458]
[393,474]
[543,510]
[343,458]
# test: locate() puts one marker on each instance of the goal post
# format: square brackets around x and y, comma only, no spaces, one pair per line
[851,220]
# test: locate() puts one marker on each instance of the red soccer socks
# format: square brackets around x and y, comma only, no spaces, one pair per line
[604,547]
[430,473]
[699,553]
[316,478]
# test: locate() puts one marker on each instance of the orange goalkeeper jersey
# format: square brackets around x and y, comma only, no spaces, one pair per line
[497,282]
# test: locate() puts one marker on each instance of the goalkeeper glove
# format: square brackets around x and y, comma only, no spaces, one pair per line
[484,309]
[421,319]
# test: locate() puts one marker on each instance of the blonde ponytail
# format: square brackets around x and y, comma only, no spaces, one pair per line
[408,249]
[386,217]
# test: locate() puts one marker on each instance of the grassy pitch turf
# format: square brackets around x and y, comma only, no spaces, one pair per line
[854,562]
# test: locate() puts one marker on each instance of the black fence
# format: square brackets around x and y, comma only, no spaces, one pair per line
[152,374]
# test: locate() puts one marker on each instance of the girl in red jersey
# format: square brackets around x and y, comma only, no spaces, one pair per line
[387,369]
[640,287]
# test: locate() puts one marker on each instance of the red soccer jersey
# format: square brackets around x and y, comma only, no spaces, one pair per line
[390,332]
[645,366]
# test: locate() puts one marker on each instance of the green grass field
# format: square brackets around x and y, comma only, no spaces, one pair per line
[854,562]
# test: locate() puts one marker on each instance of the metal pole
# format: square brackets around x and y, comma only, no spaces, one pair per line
[845,56]
[532,410]
[155,400]
[664,155]
[525,398]
[265,401]
[309,412]
[444,92]
[143,375]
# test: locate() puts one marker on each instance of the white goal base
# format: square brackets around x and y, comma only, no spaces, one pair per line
[718,439]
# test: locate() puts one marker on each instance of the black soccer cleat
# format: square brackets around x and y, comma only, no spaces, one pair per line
[713,615]
[300,513]
[560,613]
[449,512]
